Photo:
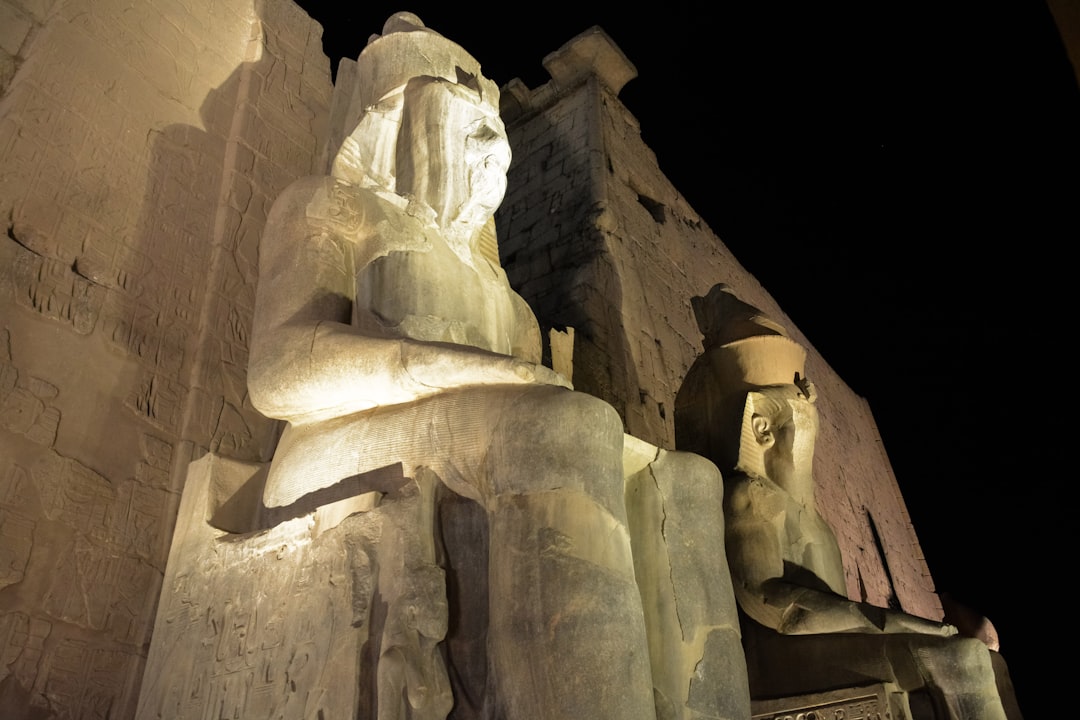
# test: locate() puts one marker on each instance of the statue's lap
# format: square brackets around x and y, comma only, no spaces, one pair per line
[454,434]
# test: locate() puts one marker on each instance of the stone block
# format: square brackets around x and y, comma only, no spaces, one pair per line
[14,29]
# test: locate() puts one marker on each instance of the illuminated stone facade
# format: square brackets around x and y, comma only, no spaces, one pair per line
[594,237]
[141,147]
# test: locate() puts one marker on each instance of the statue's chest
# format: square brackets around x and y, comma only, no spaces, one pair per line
[435,296]
[812,545]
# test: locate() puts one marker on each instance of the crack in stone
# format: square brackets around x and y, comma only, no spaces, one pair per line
[663,534]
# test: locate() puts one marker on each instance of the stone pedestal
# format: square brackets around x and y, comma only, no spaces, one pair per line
[317,609]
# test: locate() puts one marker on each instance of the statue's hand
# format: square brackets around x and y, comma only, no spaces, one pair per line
[904,623]
[546,376]
[443,366]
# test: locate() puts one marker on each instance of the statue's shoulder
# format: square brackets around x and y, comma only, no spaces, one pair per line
[306,189]
[295,201]
[327,195]
[327,207]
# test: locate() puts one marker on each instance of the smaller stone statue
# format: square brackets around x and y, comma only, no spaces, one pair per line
[412,679]
[746,405]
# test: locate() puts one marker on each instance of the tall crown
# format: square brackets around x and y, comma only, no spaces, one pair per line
[371,93]
[744,351]
[407,49]
[746,348]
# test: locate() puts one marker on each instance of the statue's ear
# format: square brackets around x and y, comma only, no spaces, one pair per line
[763,431]
[757,436]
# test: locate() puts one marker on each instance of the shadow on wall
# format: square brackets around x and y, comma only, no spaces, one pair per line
[123,337]
[555,257]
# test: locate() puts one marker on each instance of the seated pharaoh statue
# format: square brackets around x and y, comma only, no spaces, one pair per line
[387,336]
[746,405]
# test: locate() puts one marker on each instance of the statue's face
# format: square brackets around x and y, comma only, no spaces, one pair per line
[452,153]
[789,462]
[487,156]
[433,619]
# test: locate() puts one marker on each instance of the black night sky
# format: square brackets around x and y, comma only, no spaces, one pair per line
[902,178]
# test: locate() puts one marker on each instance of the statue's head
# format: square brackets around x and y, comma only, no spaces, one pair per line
[746,403]
[778,431]
[427,127]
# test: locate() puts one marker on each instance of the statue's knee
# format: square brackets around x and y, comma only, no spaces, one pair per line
[576,411]
[959,664]
[695,478]
[559,440]
[557,421]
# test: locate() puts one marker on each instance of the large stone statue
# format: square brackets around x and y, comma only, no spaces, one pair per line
[388,338]
[746,405]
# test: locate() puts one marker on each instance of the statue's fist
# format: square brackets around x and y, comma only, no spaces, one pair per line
[541,375]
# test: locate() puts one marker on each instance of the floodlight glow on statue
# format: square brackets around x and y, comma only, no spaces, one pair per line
[384,336]
[746,405]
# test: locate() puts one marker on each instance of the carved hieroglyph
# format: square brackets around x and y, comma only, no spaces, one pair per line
[746,404]
[140,148]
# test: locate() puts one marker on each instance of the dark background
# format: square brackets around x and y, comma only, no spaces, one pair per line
[902,178]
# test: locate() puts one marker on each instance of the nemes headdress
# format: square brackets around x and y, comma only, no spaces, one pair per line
[405,50]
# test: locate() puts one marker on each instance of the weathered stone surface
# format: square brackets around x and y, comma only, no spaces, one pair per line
[595,237]
[141,148]
[691,620]
[134,181]
[747,405]
[866,703]
[263,624]
[367,571]
[387,336]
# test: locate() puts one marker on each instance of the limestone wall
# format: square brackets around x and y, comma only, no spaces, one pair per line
[594,236]
[140,147]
